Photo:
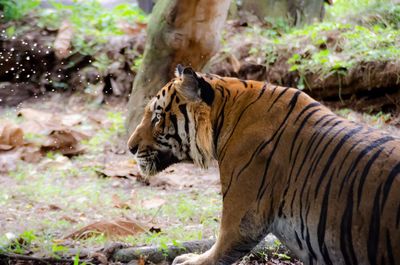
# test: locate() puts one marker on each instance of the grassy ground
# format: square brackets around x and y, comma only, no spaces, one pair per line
[46,201]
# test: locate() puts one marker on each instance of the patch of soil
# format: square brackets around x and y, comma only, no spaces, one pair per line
[31,61]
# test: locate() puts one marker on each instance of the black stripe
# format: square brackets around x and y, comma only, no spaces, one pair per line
[291,203]
[389,182]
[171,101]
[364,175]
[322,223]
[220,123]
[236,124]
[174,122]
[309,106]
[299,130]
[292,104]
[298,241]
[316,160]
[309,246]
[207,93]
[183,109]
[294,162]
[389,248]
[278,97]
[398,216]
[346,238]
[333,155]
[311,143]
[361,154]
[323,118]
[374,225]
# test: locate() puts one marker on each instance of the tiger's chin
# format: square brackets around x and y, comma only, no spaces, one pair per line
[154,164]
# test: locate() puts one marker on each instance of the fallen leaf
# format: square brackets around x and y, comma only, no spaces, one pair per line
[30,153]
[110,229]
[131,29]
[53,132]
[124,168]
[69,219]
[62,43]
[11,136]
[118,203]
[54,207]
[153,203]
[36,115]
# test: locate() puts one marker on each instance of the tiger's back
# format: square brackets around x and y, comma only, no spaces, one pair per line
[327,187]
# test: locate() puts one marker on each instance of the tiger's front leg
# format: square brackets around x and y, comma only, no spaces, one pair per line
[240,232]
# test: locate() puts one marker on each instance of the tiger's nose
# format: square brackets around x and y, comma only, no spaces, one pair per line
[134,149]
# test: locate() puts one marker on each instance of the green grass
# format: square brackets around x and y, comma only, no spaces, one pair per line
[115,129]
[354,32]
[184,216]
[17,9]
[92,23]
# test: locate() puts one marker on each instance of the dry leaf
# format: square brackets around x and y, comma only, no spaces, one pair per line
[125,168]
[130,29]
[36,115]
[11,136]
[118,203]
[55,131]
[30,153]
[68,219]
[62,44]
[153,203]
[111,229]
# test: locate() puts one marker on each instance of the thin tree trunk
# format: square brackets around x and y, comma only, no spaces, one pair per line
[180,32]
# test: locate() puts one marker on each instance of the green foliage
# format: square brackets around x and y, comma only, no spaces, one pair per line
[344,9]
[17,9]
[351,45]
[92,23]
[354,32]
[21,244]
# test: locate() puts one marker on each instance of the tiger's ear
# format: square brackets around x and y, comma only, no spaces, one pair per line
[190,85]
[179,71]
[193,87]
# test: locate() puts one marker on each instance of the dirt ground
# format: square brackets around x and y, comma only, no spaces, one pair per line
[58,191]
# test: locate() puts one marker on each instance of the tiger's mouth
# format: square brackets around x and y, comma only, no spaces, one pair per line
[152,162]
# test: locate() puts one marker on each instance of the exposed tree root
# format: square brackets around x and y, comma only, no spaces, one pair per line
[269,248]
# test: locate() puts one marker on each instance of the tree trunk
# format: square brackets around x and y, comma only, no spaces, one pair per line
[179,32]
[295,12]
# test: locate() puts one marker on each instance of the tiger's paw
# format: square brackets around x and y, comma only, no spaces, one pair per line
[191,259]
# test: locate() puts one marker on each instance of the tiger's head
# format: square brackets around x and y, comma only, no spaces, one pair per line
[176,125]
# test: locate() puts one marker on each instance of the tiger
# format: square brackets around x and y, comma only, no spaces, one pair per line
[326,187]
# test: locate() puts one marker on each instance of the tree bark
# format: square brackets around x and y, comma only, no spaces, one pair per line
[295,12]
[179,32]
